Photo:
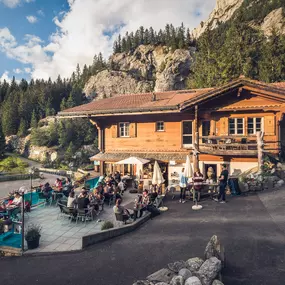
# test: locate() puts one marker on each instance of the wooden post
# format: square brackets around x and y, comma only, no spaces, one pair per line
[260,144]
[196,140]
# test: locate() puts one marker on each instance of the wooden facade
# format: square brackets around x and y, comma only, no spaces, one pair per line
[224,123]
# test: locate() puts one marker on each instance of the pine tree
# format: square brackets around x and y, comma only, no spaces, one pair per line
[34,120]
[2,142]
[69,153]
[22,131]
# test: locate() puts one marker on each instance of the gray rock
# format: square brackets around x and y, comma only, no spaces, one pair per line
[185,273]
[194,264]
[193,281]
[209,270]
[214,249]
[176,266]
[162,275]
[143,282]
[217,282]
[177,280]
[161,283]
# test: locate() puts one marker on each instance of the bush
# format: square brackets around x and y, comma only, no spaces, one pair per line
[107,225]
[33,232]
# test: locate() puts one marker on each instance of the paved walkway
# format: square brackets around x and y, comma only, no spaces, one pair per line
[58,234]
[254,248]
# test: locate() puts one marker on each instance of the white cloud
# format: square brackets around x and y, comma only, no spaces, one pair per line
[5,76]
[41,13]
[17,71]
[14,3]
[27,70]
[32,19]
[81,31]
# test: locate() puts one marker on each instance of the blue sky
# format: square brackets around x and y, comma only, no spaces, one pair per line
[62,33]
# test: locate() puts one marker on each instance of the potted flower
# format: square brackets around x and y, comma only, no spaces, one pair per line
[32,236]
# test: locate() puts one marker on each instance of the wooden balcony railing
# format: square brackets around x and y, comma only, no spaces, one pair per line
[227,145]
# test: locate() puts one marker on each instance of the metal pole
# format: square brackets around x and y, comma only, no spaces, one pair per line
[23,223]
[31,188]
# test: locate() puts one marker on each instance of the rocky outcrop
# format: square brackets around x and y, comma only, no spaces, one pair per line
[274,21]
[146,69]
[223,11]
[195,271]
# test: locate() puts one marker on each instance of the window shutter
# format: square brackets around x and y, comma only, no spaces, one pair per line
[133,130]
[212,127]
[115,131]
[269,125]
[224,126]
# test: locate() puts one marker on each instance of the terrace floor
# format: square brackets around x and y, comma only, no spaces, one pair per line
[58,234]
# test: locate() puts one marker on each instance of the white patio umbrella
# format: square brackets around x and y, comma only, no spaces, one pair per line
[157,177]
[133,160]
[188,168]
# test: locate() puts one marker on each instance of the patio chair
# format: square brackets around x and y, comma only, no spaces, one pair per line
[68,212]
[112,200]
[101,204]
[84,214]
[42,197]
[121,218]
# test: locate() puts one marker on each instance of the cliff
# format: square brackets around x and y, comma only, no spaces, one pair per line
[146,69]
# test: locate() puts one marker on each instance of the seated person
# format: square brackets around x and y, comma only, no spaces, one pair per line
[97,194]
[83,201]
[117,176]
[121,186]
[58,184]
[138,207]
[117,193]
[3,207]
[46,190]
[17,201]
[119,209]
[71,200]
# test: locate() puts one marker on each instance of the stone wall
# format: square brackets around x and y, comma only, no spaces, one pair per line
[194,271]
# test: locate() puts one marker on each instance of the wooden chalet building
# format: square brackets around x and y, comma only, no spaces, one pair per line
[220,123]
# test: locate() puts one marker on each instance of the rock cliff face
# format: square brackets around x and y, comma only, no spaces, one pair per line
[223,11]
[146,69]
[274,20]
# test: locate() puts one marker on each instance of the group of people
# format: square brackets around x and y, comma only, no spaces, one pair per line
[13,204]
[144,202]
[198,180]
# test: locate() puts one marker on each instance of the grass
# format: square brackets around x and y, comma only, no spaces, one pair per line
[13,164]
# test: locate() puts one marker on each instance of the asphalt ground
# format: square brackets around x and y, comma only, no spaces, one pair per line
[254,247]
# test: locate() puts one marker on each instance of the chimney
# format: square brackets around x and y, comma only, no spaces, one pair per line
[153,97]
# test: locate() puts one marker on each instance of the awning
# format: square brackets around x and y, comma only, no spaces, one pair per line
[178,157]
[133,160]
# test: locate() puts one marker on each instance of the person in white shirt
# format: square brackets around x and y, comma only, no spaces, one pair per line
[71,199]
[17,201]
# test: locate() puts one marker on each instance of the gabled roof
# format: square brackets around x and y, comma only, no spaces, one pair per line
[129,103]
[171,101]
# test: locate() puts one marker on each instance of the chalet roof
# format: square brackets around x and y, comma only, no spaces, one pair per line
[172,101]
[164,157]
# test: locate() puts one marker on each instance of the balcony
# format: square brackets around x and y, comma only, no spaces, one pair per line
[228,145]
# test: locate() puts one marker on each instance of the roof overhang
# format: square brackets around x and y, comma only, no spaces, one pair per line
[255,87]
[120,112]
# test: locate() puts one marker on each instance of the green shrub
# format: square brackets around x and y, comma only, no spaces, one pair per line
[107,225]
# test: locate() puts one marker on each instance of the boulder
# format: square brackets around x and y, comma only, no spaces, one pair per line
[193,281]
[185,273]
[177,280]
[194,264]
[176,266]
[161,283]
[280,183]
[209,270]
[217,282]
[214,248]
[162,275]
[143,282]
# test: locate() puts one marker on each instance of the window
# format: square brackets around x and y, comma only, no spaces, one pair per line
[124,130]
[236,126]
[187,134]
[159,126]
[254,125]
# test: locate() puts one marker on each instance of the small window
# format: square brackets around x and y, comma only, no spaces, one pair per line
[236,126]
[187,134]
[124,130]
[254,125]
[160,126]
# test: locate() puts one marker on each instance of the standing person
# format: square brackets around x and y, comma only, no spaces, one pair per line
[183,185]
[198,183]
[223,184]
